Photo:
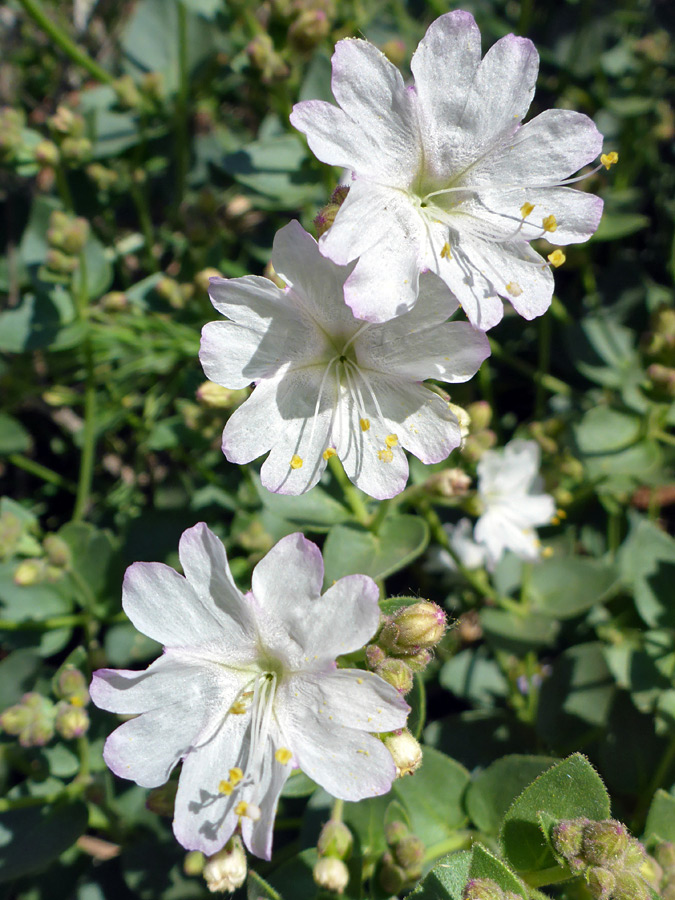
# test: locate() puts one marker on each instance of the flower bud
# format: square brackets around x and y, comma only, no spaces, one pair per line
[65,121]
[409,853]
[103,177]
[161,800]
[71,721]
[47,154]
[226,870]
[480,414]
[193,864]
[29,572]
[463,418]
[75,236]
[375,656]
[203,278]
[449,483]
[309,29]
[152,85]
[71,685]
[482,889]
[391,877]
[214,396]
[264,57]
[418,662]
[417,627]
[114,301]
[396,831]
[58,552]
[395,51]
[405,751]
[60,262]
[271,275]
[635,855]
[650,870]
[326,216]
[629,886]
[15,718]
[476,444]
[600,883]
[662,377]
[604,842]
[169,290]
[11,530]
[668,889]
[335,840]
[567,837]
[331,874]
[397,674]
[35,714]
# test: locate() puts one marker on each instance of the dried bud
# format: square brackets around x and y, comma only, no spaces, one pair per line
[58,552]
[600,883]
[335,840]
[405,751]
[72,721]
[567,837]
[331,874]
[480,414]
[71,685]
[47,154]
[409,853]
[604,843]
[391,877]
[326,216]
[414,628]
[397,674]
[226,870]
[482,889]
[309,29]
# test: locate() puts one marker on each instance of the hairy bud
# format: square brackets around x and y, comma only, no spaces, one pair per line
[71,685]
[604,842]
[405,750]
[629,886]
[331,874]
[396,832]
[71,721]
[409,853]
[335,840]
[226,870]
[391,877]
[58,552]
[397,674]
[482,889]
[567,837]
[600,883]
[414,628]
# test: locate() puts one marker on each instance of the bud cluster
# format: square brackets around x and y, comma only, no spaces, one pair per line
[480,437]
[50,567]
[334,847]
[401,864]
[68,130]
[613,864]
[486,889]
[67,237]
[12,122]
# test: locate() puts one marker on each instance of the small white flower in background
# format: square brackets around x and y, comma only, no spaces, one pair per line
[248,689]
[471,555]
[509,490]
[446,177]
[328,384]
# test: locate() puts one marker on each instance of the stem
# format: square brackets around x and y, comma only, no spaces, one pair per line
[546,876]
[182,137]
[352,494]
[62,40]
[40,471]
[543,363]
[656,782]
[552,384]
[52,624]
[336,814]
[380,515]
[86,475]
[145,221]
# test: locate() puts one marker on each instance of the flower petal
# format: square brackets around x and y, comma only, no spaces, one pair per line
[254,426]
[290,574]
[234,355]
[343,620]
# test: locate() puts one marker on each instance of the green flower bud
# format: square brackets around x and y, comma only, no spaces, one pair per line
[326,216]
[414,628]
[480,414]
[71,721]
[409,853]
[600,882]
[664,854]
[604,842]
[193,864]
[668,889]
[72,685]
[58,552]
[449,483]
[482,889]
[405,750]
[114,301]
[567,837]
[395,832]
[75,236]
[419,661]
[629,886]
[161,800]
[65,121]
[61,263]
[169,290]
[395,51]
[264,57]
[331,874]
[635,855]
[475,445]
[335,840]
[39,727]
[391,877]
[152,85]
[397,674]
[47,154]
[203,278]
[29,572]
[375,656]
[650,870]
[214,396]
[15,718]
[226,870]
[309,29]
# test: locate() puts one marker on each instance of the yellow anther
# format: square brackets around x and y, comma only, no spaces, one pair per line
[547,552]
[549,223]
[283,755]
[328,452]
[236,774]
[296,461]
[391,440]
[365,424]
[609,159]
[445,252]
[250,810]
[557,258]
[238,708]
[514,289]
[561,514]
[385,455]
[526,209]
[225,788]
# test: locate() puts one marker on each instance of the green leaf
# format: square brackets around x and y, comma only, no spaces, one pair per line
[568,790]
[18,673]
[447,879]
[314,511]
[618,225]
[492,791]
[433,796]
[604,430]
[298,785]
[485,865]
[277,167]
[294,880]
[647,565]
[350,549]
[474,677]
[515,633]
[125,646]
[31,838]
[660,824]
[13,436]
[93,552]
[34,602]
[567,587]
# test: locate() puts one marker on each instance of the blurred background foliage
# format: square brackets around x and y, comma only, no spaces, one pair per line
[145,146]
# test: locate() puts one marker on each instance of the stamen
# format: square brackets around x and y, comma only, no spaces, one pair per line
[391,440]
[557,258]
[236,775]
[296,461]
[283,756]
[385,456]
[225,788]
[526,209]
[514,289]
[365,424]
[247,810]
[549,223]
[238,708]
[329,452]
[317,405]
[445,251]
[609,159]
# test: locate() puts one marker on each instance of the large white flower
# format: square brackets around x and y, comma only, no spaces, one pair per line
[445,176]
[508,485]
[248,688]
[328,383]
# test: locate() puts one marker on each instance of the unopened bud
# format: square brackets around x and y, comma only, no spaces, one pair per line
[449,483]
[71,685]
[463,418]
[397,674]
[203,278]
[47,154]
[395,51]
[668,889]
[15,718]
[114,301]
[635,855]
[215,396]
[414,628]
[391,877]
[477,444]
[604,842]
[65,121]
[152,85]
[103,177]
[480,414]
[264,57]
[270,273]
[405,751]
[309,29]
[169,290]
[409,853]
[11,530]
[600,883]
[75,236]
[29,572]
[71,721]
[335,840]
[226,870]
[375,656]
[567,837]
[326,216]
[60,262]
[662,377]
[38,729]
[193,864]
[395,832]
[482,889]
[418,662]
[58,552]
[629,886]
[650,870]
[161,800]
[331,874]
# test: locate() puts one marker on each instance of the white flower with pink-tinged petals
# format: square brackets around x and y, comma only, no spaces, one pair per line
[328,384]
[248,689]
[445,175]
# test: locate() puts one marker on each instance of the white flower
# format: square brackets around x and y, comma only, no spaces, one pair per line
[248,688]
[507,481]
[329,384]
[445,176]
[471,555]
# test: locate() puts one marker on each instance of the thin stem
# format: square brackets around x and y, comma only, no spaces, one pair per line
[139,199]
[86,476]
[659,778]
[549,382]
[52,624]
[543,363]
[40,471]
[381,513]
[181,107]
[352,494]
[62,40]
[338,807]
